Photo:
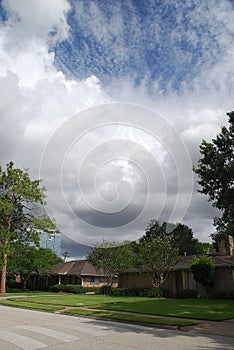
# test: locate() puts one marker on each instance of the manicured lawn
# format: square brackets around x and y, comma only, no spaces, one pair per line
[204,309]
[77,300]
[132,318]
[29,305]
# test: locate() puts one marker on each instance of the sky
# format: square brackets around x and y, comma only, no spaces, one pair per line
[108,103]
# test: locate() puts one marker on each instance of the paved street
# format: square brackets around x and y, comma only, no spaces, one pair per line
[29,330]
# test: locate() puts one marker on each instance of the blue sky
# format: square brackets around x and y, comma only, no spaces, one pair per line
[58,59]
[167,41]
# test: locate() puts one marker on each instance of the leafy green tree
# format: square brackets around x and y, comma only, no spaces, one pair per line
[21,215]
[181,234]
[157,255]
[203,269]
[112,257]
[27,259]
[215,172]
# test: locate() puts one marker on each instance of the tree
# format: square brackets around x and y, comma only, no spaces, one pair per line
[27,259]
[215,172]
[112,257]
[21,215]
[203,270]
[181,234]
[157,255]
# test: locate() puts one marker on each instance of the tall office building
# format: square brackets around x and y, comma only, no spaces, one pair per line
[51,241]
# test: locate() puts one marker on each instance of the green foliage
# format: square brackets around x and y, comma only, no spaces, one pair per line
[186,293]
[215,171]
[181,235]
[112,257]
[130,292]
[73,288]
[203,270]
[21,214]
[27,259]
[157,254]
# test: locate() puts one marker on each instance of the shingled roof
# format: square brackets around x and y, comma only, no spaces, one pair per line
[185,261]
[77,268]
[219,261]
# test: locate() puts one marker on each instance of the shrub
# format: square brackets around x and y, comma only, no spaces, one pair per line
[186,293]
[152,292]
[230,295]
[106,290]
[73,288]
[57,288]
[137,292]
[218,294]
[203,270]
[13,284]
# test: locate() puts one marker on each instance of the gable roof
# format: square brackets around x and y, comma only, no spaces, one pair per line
[77,268]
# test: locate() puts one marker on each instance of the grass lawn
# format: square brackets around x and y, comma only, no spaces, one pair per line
[76,300]
[204,309]
[132,318]
[29,305]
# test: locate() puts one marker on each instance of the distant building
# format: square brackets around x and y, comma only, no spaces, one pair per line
[52,241]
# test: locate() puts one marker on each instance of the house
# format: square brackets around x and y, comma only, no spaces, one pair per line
[78,272]
[181,277]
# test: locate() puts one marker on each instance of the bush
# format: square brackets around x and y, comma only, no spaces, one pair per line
[218,294]
[203,269]
[231,295]
[106,290]
[136,292]
[57,288]
[73,288]
[13,284]
[153,293]
[166,293]
[186,293]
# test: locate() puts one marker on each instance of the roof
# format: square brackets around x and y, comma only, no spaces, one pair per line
[219,261]
[77,268]
[185,261]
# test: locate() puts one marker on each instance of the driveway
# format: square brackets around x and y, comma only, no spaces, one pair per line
[29,330]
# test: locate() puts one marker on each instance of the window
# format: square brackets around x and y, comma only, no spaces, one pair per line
[73,280]
[94,279]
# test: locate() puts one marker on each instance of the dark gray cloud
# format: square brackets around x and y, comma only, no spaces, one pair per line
[126,169]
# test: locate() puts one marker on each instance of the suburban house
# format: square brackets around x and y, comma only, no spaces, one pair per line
[78,272]
[181,278]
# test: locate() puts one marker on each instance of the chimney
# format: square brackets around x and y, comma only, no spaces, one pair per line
[226,245]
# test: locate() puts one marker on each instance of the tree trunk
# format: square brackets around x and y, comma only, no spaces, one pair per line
[24,284]
[3,274]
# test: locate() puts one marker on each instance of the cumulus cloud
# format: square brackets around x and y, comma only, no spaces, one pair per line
[58,59]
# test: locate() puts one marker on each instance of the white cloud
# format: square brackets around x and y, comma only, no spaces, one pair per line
[36,98]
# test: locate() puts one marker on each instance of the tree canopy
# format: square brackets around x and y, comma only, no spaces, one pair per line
[203,270]
[21,213]
[181,235]
[215,172]
[27,259]
[112,257]
[157,254]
